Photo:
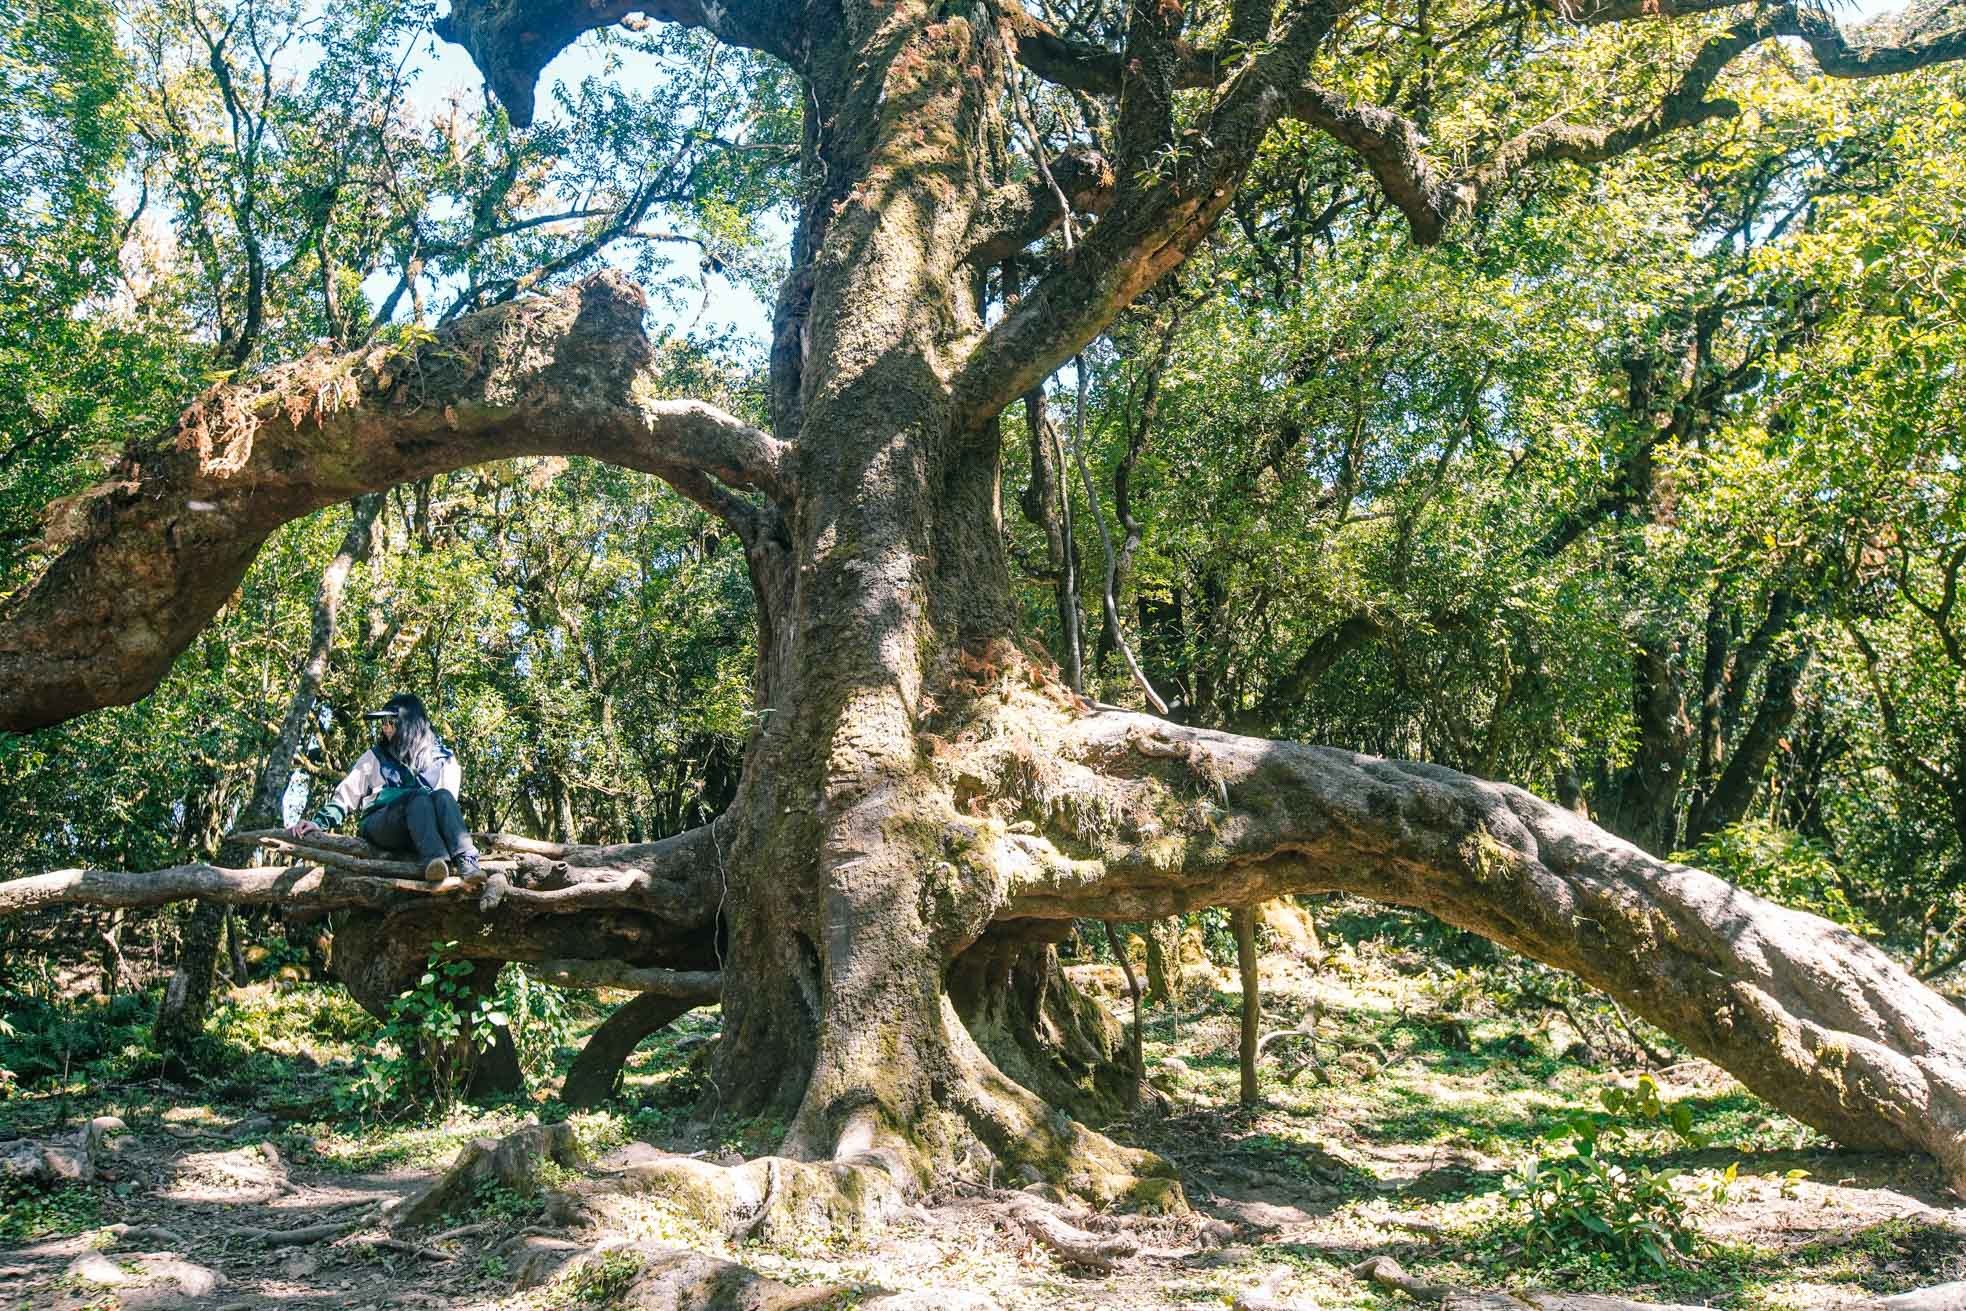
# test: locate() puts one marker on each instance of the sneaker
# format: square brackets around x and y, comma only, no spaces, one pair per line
[436,871]
[468,870]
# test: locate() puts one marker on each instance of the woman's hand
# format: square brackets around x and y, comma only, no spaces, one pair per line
[303,828]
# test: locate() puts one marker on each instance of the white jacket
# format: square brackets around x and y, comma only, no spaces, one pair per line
[434,770]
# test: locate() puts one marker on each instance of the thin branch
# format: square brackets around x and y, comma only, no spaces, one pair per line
[1106,543]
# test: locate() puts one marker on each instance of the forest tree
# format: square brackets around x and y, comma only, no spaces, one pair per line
[926,803]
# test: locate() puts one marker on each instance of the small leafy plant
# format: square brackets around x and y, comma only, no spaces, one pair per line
[604,1280]
[426,1050]
[538,1015]
[1582,1203]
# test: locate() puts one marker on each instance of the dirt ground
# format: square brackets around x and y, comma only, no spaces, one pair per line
[1397,1137]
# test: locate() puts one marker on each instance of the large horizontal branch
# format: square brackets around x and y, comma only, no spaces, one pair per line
[149,555]
[681,985]
[677,882]
[512,41]
[1393,147]
[1804,1012]
[301,887]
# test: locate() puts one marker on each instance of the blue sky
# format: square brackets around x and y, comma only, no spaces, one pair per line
[442,70]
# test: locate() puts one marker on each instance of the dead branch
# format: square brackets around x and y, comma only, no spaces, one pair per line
[317,888]
[314,1233]
[1071,1245]
[1386,1272]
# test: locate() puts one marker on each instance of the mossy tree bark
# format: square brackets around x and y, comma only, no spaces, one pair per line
[1164,962]
[925,804]
[1244,920]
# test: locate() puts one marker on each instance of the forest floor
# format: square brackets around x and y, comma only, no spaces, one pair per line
[1429,1094]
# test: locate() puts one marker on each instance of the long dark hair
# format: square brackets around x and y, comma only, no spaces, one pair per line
[413,731]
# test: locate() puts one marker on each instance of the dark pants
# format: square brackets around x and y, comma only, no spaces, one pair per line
[428,823]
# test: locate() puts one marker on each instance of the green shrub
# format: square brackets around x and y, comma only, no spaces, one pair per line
[1581,1203]
[28,1212]
[540,1019]
[604,1280]
[1781,866]
[96,1042]
[422,1057]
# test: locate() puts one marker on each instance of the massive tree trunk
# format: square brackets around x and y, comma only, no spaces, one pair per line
[925,802]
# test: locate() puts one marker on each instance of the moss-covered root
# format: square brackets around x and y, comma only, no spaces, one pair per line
[647,1277]
[1042,1144]
[769,1198]
[512,1162]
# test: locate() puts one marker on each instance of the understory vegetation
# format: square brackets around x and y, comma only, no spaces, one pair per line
[1440,1109]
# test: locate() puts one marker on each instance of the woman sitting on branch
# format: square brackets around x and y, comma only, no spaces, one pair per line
[405,789]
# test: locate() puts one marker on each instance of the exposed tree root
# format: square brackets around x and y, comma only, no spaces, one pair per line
[1939,1297]
[410,1249]
[1035,1024]
[153,1236]
[765,1198]
[511,1162]
[1388,1273]
[1071,1245]
[1026,1133]
[314,1233]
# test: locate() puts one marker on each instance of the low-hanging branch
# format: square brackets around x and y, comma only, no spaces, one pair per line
[144,559]
[682,985]
[676,880]
[1802,1011]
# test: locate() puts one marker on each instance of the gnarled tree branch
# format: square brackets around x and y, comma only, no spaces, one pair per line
[1393,146]
[1084,66]
[1019,213]
[512,43]
[678,880]
[1804,1012]
[1166,216]
[148,555]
